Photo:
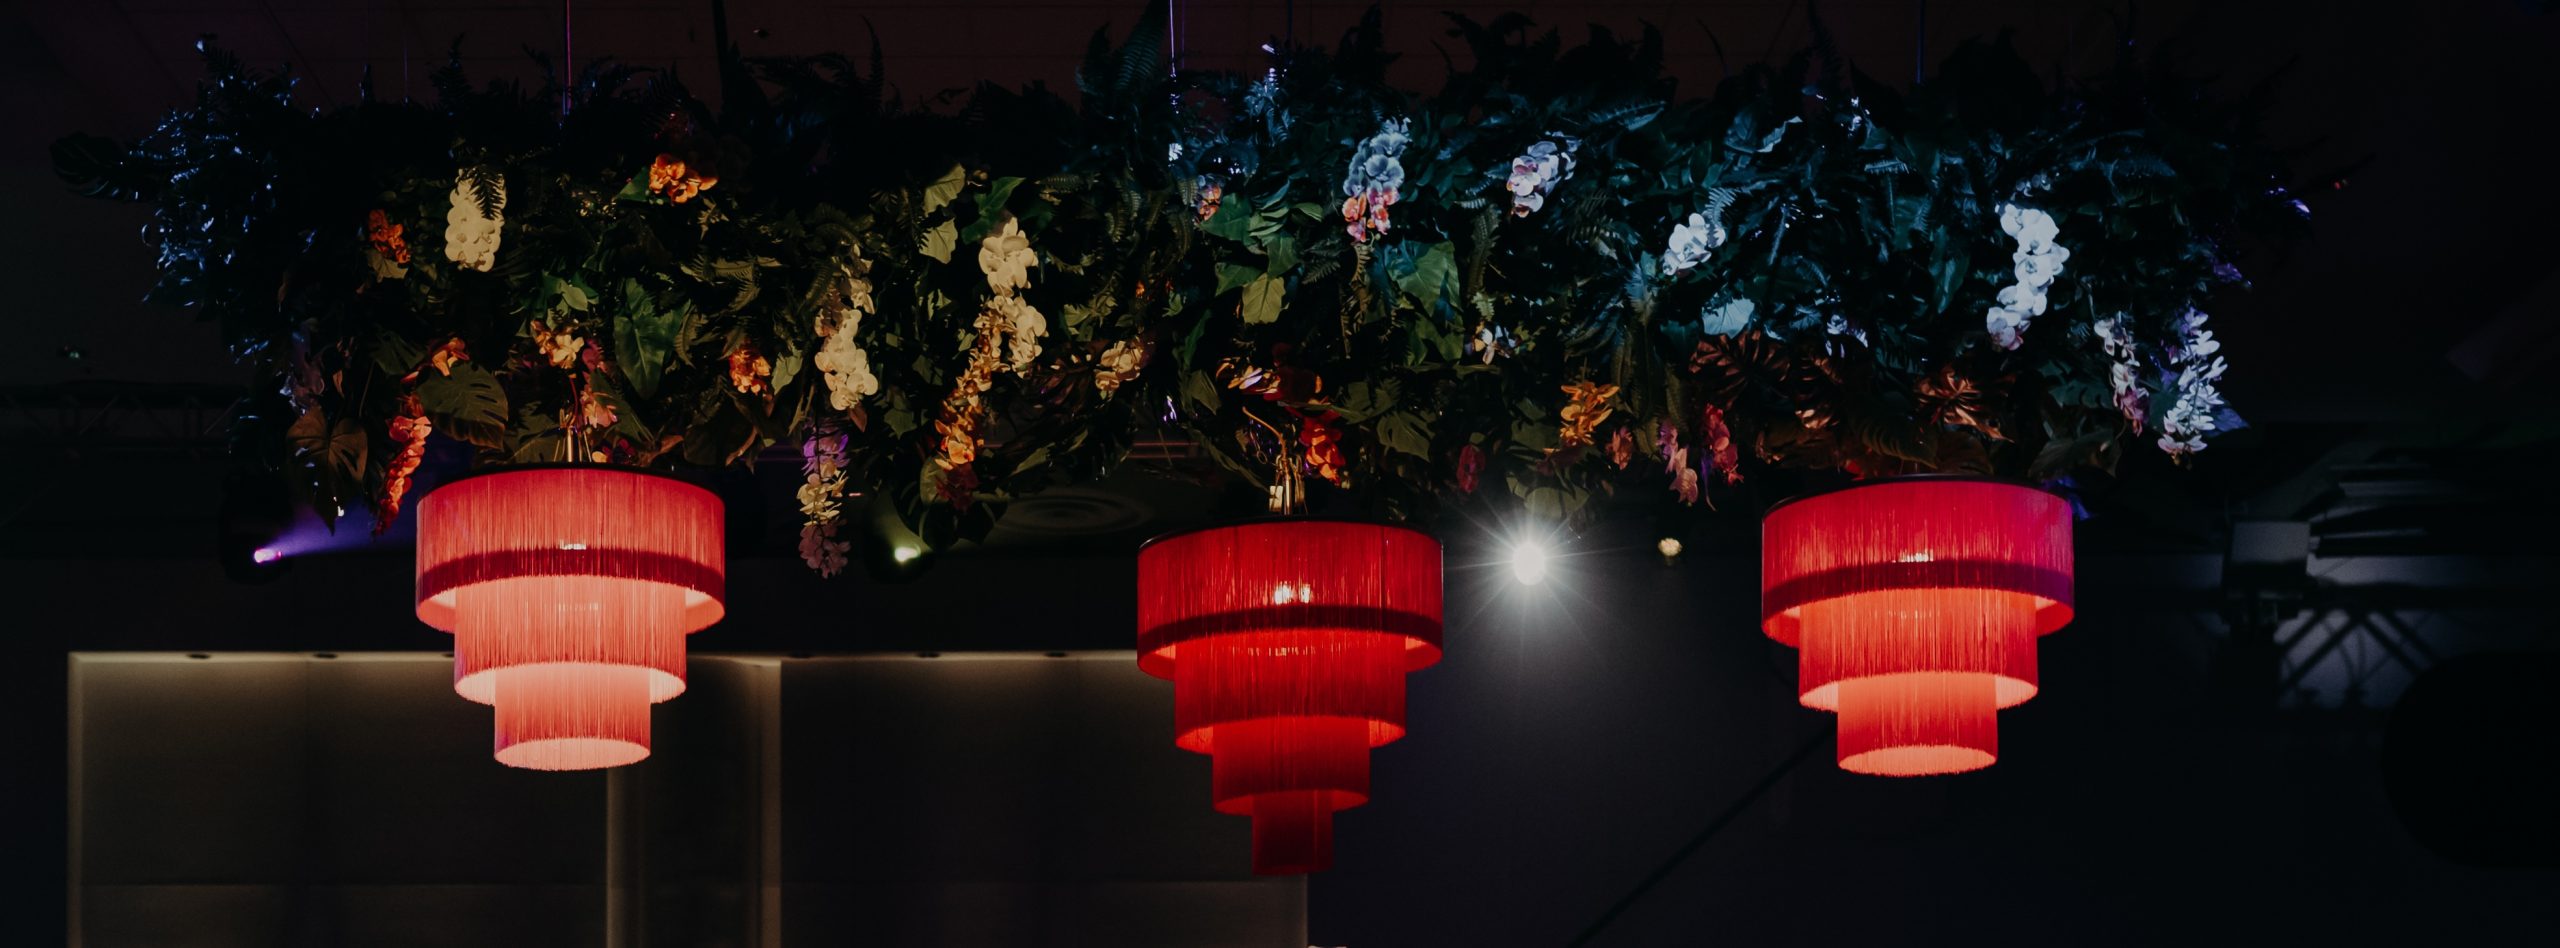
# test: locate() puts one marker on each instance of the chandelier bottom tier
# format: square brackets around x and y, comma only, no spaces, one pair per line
[1915,605]
[1287,642]
[570,592]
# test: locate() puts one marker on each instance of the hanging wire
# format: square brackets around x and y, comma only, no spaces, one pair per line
[568,58]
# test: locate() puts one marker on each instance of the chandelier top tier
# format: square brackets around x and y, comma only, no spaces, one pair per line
[614,524]
[1297,573]
[1914,605]
[1917,532]
[569,590]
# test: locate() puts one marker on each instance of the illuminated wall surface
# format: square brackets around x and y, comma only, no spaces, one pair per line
[273,799]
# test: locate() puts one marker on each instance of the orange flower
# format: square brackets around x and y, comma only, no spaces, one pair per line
[664,172]
[748,370]
[669,177]
[964,408]
[384,236]
[1582,416]
[443,358]
[410,428]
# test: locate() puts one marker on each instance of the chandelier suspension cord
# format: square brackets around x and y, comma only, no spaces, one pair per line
[568,57]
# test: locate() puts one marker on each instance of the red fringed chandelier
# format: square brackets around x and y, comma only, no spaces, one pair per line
[1915,604]
[1287,642]
[569,591]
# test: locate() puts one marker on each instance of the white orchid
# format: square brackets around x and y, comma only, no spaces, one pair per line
[1007,258]
[1537,171]
[2022,299]
[1023,327]
[846,368]
[2007,327]
[2038,269]
[2038,262]
[2193,417]
[2033,228]
[471,238]
[1691,244]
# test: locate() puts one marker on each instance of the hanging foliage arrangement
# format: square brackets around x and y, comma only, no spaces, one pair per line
[1554,277]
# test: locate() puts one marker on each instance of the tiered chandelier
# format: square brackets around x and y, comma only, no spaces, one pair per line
[569,590]
[1915,604]
[1287,641]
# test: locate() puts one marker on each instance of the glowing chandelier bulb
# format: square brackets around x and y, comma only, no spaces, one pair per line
[1669,547]
[1529,562]
[905,554]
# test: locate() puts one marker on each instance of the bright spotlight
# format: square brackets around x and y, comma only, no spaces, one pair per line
[905,554]
[1529,562]
[265,554]
[1669,547]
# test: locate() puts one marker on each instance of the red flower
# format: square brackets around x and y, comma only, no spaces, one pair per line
[1321,441]
[410,428]
[1470,468]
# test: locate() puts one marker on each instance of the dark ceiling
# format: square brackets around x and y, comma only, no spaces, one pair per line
[2414,126]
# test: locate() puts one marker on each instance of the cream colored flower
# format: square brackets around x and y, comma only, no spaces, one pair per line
[471,239]
[1118,365]
[1023,326]
[1006,257]
[847,370]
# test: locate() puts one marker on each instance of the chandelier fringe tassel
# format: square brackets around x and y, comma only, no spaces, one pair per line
[1287,642]
[1914,605]
[570,591]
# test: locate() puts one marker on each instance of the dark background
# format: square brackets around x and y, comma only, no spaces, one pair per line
[2206,763]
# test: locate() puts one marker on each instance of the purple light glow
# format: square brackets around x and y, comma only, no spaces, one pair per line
[265,554]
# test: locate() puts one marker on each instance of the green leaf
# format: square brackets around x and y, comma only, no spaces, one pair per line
[939,242]
[642,339]
[1262,300]
[1200,391]
[1546,504]
[1232,275]
[1434,276]
[1234,221]
[2060,455]
[1283,251]
[1404,432]
[336,450]
[394,355]
[944,189]
[786,367]
[991,204]
[1361,401]
[1076,315]
[466,404]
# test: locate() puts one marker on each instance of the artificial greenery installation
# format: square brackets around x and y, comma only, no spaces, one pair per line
[1552,278]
